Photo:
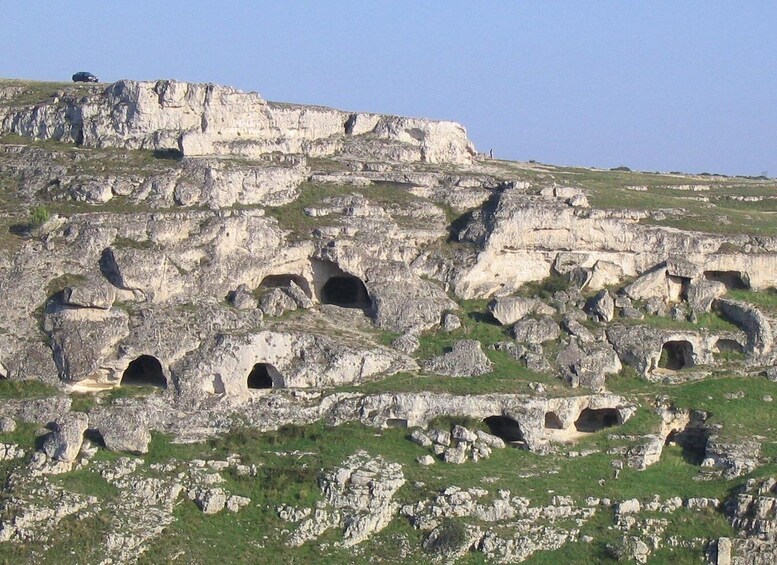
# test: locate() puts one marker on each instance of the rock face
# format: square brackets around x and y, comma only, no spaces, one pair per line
[466,359]
[205,119]
[192,262]
[359,499]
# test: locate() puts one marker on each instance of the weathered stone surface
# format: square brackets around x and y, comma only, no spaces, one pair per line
[601,306]
[536,331]
[64,442]
[466,359]
[122,429]
[509,310]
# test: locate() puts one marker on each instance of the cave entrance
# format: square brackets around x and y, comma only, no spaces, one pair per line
[676,355]
[263,375]
[692,441]
[734,280]
[552,421]
[592,420]
[345,291]
[504,427]
[284,281]
[146,370]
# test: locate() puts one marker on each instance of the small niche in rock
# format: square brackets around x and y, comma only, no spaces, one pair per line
[552,421]
[263,375]
[592,420]
[346,291]
[680,286]
[724,345]
[676,355]
[396,423]
[732,279]
[146,370]
[285,280]
[505,427]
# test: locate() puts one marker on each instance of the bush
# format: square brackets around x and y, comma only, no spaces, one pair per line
[447,538]
[39,216]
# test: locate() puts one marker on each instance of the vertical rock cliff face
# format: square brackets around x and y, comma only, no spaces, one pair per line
[206,119]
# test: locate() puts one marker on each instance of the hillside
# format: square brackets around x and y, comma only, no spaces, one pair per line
[263,332]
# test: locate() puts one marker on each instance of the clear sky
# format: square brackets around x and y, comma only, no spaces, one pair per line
[659,85]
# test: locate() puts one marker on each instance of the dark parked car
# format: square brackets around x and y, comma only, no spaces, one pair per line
[84,77]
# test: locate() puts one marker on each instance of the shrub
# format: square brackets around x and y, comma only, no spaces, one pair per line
[39,216]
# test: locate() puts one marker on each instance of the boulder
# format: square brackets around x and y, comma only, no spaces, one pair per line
[534,331]
[510,309]
[122,429]
[702,293]
[64,443]
[91,293]
[466,359]
[450,322]
[276,303]
[242,298]
[601,307]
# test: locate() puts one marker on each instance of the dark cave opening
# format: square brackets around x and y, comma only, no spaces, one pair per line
[676,355]
[592,420]
[146,370]
[263,375]
[345,291]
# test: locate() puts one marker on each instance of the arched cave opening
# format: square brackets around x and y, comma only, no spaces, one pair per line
[552,421]
[676,355]
[285,280]
[263,375]
[504,427]
[146,370]
[345,291]
[592,420]
[734,280]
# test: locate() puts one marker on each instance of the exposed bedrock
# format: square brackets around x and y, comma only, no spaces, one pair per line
[521,418]
[206,119]
[523,237]
[656,352]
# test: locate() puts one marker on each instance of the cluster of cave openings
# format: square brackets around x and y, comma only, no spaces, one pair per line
[676,355]
[505,427]
[732,279]
[552,421]
[592,420]
[345,291]
[281,281]
[146,370]
[263,375]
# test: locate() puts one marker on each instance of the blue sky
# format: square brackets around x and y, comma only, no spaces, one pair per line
[658,85]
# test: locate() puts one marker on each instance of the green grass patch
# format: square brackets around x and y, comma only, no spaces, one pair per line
[29,389]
